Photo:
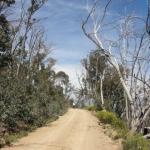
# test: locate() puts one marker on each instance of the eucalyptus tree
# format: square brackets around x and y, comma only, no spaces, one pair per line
[5,33]
[102,83]
[28,92]
[135,60]
[95,66]
[62,79]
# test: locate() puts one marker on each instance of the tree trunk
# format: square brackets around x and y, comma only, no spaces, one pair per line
[127,109]
[101,93]
[132,117]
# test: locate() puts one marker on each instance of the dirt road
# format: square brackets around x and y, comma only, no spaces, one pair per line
[76,130]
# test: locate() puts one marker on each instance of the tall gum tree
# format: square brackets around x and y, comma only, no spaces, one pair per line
[92,27]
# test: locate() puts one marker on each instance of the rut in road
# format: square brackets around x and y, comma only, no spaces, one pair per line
[76,130]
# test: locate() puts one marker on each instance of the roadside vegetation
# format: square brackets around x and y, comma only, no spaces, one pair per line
[90,108]
[31,92]
[117,129]
[130,140]
[116,73]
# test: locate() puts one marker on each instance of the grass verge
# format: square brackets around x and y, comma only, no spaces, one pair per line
[130,141]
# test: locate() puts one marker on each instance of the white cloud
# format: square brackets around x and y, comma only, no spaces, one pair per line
[74,55]
[71,5]
[72,70]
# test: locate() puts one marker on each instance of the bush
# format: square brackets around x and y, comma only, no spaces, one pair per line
[91,108]
[136,142]
[111,118]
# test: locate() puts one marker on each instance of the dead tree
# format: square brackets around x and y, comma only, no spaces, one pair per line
[95,37]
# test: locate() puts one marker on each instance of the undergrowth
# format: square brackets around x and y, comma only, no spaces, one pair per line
[9,138]
[131,141]
[90,108]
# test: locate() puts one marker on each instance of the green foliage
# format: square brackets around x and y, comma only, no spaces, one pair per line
[94,65]
[113,92]
[29,95]
[136,142]
[111,118]
[13,137]
[130,141]
[32,105]
[24,104]
[97,69]
[5,41]
[5,34]
[91,108]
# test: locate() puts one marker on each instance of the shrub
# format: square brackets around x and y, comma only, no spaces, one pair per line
[111,118]
[136,142]
[131,141]
[91,108]
[13,137]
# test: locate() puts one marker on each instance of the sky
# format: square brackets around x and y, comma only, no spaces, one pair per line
[64,33]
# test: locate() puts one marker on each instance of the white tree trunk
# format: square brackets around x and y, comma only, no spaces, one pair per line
[95,38]
[132,119]
[101,93]
[127,109]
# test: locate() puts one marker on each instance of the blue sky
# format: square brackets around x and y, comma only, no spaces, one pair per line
[63,29]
